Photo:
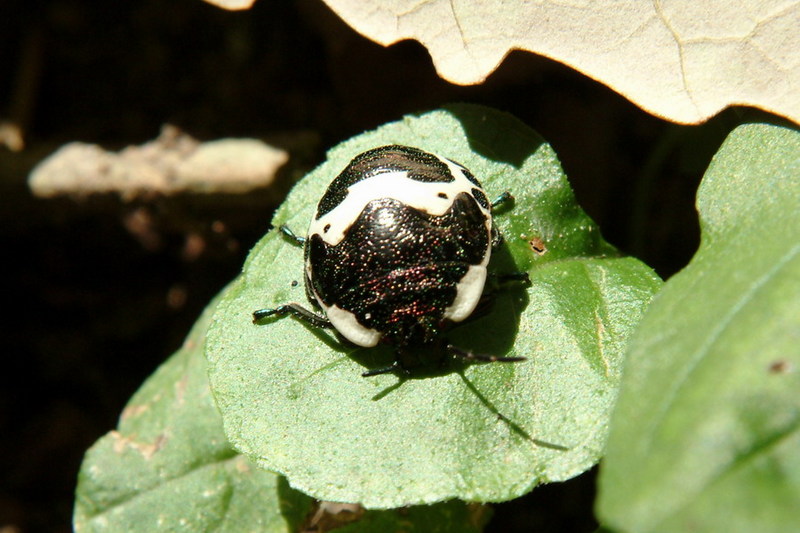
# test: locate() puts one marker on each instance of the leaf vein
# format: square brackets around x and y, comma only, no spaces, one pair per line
[131,497]
[714,334]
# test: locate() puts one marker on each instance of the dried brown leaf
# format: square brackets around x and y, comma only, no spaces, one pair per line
[681,60]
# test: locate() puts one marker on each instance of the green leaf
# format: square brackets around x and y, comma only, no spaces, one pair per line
[293,398]
[169,467]
[705,436]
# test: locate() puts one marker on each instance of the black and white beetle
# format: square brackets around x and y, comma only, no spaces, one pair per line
[397,250]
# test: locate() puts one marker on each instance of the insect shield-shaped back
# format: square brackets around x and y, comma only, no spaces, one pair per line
[399,244]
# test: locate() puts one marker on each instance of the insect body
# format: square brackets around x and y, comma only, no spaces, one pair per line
[397,250]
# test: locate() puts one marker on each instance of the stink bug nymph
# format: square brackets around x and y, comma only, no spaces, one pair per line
[397,251]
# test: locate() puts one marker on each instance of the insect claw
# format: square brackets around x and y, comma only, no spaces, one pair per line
[385,370]
[261,314]
[292,235]
[505,197]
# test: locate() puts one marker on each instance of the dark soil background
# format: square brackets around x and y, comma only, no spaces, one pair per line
[99,292]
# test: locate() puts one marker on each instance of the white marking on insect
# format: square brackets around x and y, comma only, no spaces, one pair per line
[423,196]
[347,324]
[468,293]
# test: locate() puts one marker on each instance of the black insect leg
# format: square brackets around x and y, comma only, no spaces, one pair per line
[508,277]
[385,370]
[397,366]
[497,239]
[504,198]
[296,310]
[291,235]
[498,282]
[484,358]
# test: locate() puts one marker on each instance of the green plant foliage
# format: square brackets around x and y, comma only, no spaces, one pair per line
[169,467]
[705,436]
[293,398]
